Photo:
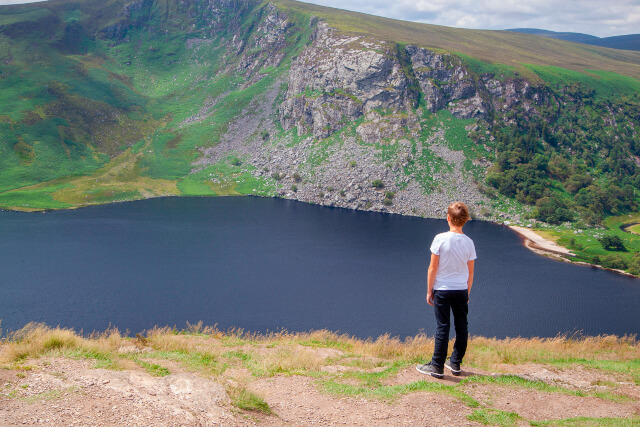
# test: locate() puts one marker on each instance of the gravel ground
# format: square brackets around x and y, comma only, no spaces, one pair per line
[58,391]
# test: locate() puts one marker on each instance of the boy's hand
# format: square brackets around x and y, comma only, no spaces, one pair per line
[430,298]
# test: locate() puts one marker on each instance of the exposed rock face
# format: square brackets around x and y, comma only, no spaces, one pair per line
[446,83]
[267,47]
[506,95]
[339,78]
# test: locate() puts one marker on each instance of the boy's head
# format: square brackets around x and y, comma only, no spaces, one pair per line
[458,213]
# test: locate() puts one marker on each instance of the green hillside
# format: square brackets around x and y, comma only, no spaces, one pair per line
[103,101]
[87,119]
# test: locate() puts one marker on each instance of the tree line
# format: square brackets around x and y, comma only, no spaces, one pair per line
[575,158]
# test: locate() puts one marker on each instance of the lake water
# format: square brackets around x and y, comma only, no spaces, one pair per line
[267,264]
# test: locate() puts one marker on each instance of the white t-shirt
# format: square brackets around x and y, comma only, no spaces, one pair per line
[455,251]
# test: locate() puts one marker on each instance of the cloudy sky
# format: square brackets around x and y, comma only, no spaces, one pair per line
[597,17]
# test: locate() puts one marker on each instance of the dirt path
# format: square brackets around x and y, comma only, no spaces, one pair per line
[58,391]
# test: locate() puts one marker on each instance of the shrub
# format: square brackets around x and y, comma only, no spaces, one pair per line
[342,193]
[634,264]
[377,183]
[235,161]
[296,177]
[614,261]
[277,176]
[352,164]
[244,399]
[573,244]
[553,210]
[294,188]
[387,201]
[389,195]
[612,243]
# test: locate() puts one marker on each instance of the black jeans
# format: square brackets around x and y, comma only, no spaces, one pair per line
[445,302]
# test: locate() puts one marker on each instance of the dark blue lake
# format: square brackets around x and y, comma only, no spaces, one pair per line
[267,264]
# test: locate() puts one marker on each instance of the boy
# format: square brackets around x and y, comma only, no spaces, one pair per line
[449,281]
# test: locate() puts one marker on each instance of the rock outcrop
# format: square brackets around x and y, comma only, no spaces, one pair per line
[360,108]
[340,78]
[377,89]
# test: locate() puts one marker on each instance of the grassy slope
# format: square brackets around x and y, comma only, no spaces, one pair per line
[363,369]
[166,81]
[585,243]
[502,47]
[90,107]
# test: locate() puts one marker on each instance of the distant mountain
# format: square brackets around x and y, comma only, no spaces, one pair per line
[627,42]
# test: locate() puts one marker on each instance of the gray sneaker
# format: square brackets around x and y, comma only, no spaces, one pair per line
[453,367]
[429,369]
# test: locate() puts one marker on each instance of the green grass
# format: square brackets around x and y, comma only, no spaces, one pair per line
[605,83]
[49,395]
[194,360]
[635,228]
[225,179]
[246,400]
[327,342]
[624,367]
[589,422]
[33,199]
[516,381]
[8,17]
[501,71]
[102,360]
[494,417]
[152,368]
[586,241]
[392,392]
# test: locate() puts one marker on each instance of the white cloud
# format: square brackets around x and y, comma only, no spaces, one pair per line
[6,2]
[596,17]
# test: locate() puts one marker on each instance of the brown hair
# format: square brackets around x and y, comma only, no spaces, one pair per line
[458,213]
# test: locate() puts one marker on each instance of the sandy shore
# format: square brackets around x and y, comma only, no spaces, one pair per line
[539,244]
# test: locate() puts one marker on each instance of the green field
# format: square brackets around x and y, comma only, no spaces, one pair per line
[634,229]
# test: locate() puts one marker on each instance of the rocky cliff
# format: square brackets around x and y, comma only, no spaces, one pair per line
[372,121]
[215,97]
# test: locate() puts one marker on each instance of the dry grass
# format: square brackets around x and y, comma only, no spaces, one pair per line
[211,351]
[489,352]
[36,339]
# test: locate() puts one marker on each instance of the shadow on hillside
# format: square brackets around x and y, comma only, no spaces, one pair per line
[448,376]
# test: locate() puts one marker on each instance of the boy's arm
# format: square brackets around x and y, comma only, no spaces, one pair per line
[470,266]
[431,276]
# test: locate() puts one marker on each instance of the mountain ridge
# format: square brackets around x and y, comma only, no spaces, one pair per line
[624,42]
[136,99]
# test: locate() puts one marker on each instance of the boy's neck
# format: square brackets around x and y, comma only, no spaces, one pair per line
[454,228]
